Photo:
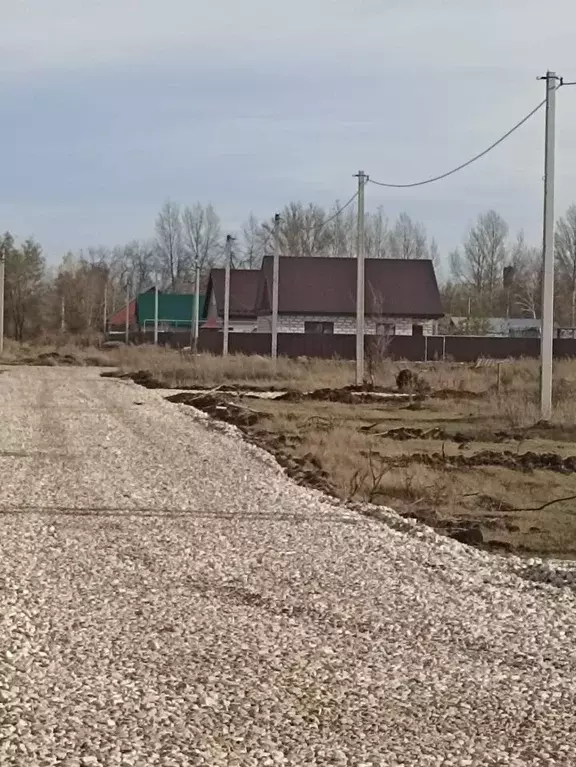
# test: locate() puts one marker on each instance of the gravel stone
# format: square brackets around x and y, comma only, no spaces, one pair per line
[169,597]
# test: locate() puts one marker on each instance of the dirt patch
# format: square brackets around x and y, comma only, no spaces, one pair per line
[325,395]
[305,469]
[348,395]
[404,433]
[438,433]
[145,378]
[550,431]
[150,381]
[529,461]
[218,407]
[52,358]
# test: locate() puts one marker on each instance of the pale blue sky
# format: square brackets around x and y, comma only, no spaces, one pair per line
[110,107]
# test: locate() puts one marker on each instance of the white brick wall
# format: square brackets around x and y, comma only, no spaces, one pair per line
[295,323]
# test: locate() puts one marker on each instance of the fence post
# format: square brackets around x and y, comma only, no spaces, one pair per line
[443,348]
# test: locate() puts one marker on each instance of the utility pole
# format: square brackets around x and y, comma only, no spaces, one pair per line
[275,282]
[547,332]
[156,311]
[127,327]
[229,240]
[105,311]
[196,317]
[2,272]
[360,294]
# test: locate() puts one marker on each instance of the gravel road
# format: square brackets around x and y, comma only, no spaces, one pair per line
[168,597]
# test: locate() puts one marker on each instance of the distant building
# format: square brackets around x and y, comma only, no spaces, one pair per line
[175,313]
[243,294]
[318,295]
[509,327]
[116,322]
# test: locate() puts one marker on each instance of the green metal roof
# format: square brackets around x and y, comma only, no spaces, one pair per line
[175,308]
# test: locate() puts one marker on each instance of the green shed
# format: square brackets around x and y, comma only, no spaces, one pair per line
[175,310]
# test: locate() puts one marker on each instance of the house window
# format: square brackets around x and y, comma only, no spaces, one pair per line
[417,330]
[318,327]
[385,328]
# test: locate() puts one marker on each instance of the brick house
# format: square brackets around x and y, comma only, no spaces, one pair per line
[318,295]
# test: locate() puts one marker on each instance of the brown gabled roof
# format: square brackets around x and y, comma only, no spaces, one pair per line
[310,285]
[243,291]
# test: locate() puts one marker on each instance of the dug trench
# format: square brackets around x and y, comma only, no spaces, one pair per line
[435,459]
[458,495]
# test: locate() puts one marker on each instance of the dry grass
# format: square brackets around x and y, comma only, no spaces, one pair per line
[180,369]
[65,353]
[494,498]
[174,368]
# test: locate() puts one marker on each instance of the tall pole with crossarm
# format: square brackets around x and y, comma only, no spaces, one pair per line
[547,333]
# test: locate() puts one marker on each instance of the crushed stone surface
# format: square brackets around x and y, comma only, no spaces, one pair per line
[168,597]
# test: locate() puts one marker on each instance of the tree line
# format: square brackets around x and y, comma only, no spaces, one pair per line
[491,274]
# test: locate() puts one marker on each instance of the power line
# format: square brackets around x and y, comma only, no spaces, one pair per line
[468,162]
[335,215]
[313,229]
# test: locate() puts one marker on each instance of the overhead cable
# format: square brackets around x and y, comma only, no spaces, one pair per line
[335,215]
[468,162]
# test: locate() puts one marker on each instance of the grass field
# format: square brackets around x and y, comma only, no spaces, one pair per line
[470,457]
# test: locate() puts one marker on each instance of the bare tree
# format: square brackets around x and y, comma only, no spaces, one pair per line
[377,235]
[23,289]
[522,279]
[434,253]
[303,230]
[202,236]
[528,295]
[169,243]
[80,286]
[565,251]
[341,232]
[252,246]
[408,239]
[482,263]
[138,259]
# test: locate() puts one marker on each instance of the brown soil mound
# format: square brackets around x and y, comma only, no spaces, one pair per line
[305,469]
[506,459]
[320,395]
[348,395]
[404,433]
[146,379]
[217,407]
[46,359]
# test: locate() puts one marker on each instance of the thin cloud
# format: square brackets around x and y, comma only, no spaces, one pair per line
[117,104]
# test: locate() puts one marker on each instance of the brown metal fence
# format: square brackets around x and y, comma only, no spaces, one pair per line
[411,348]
